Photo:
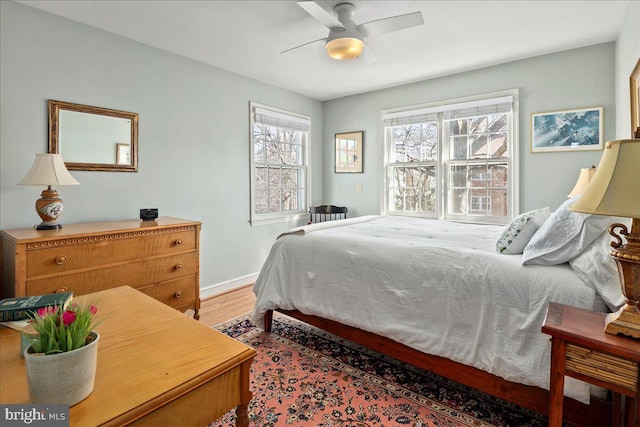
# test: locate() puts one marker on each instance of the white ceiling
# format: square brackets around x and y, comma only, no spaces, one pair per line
[246,37]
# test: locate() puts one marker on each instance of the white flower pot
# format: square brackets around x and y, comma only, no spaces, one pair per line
[65,378]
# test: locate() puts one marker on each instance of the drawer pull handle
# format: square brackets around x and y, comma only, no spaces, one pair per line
[178,242]
[61,290]
[61,260]
[178,294]
[178,267]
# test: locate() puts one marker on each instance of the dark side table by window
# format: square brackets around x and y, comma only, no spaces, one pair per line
[581,349]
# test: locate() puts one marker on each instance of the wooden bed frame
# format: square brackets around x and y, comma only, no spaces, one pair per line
[597,414]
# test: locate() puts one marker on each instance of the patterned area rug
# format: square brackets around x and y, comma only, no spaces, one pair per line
[303,376]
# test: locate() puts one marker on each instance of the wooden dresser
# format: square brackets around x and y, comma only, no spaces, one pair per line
[160,258]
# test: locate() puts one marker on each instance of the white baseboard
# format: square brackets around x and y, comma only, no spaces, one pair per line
[229,285]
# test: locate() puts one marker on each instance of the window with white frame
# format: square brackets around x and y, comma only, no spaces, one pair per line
[278,164]
[455,160]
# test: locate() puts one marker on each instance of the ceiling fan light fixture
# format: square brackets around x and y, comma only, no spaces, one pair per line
[345,48]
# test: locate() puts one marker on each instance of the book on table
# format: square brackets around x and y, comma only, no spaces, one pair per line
[20,308]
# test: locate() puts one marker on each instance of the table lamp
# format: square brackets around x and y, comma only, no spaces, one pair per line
[48,169]
[586,174]
[614,190]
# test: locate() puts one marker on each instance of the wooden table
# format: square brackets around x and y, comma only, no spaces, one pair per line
[156,366]
[581,349]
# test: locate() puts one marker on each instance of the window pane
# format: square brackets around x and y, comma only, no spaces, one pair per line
[429,141]
[274,199]
[261,177]
[498,123]
[287,200]
[498,203]
[478,201]
[478,124]
[414,189]
[399,152]
[296,155]
[271,147]
[397,199]
[478,147]
[427,198]
[413,150]
[459,176]
[458,201]
[274,191]
[498,176]
[478,176]
[415,143]
[285,154]
[459,147]
[458,127]
[261,200]
[261,195]
[398,177]
[258,151]
[498,145]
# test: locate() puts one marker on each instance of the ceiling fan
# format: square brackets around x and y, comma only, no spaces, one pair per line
[346,39]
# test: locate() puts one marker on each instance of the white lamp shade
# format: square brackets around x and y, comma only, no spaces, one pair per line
[48,169]
[615,187]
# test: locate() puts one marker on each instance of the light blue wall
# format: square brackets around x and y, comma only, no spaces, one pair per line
[571,79]
[627,55]
[193,134]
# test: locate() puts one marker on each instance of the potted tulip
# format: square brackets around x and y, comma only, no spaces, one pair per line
[62,355]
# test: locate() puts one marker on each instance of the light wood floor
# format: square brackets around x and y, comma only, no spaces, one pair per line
[219,309]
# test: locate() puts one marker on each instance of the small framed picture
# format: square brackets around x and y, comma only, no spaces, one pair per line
[568,130]
[634,81]
[349,152]
[123,154]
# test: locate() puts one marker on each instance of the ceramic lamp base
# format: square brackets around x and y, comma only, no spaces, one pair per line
[48,226]
[49,207]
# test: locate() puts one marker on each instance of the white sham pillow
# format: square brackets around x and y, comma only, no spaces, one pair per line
[563,236]
[520,230]
[596,267]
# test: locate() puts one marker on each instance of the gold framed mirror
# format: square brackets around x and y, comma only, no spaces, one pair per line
[634,81]
[93,138]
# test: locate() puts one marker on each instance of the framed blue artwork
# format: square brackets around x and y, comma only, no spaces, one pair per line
[567,130]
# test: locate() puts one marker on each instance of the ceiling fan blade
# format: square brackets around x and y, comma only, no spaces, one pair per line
[319,14]
[304,44]
[394,23]
[367,57]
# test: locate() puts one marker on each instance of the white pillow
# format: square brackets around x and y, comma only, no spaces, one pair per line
[563,236]
[520,230]
[597,269]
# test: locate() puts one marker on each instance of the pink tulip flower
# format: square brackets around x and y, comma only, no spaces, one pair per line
[68,317]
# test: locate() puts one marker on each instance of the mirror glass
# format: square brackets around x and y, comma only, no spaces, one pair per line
[93,138]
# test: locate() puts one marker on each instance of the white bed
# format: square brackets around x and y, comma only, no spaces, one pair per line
[438,287]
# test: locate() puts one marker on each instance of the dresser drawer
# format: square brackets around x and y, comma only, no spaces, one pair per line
[64,256]
[176,293]
[135,274]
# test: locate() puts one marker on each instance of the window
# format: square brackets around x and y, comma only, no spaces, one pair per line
[455,160]
[278,164]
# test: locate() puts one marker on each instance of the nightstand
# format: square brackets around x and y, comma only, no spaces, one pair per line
[581,349]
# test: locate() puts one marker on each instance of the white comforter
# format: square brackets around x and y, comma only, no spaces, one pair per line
[438,287]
